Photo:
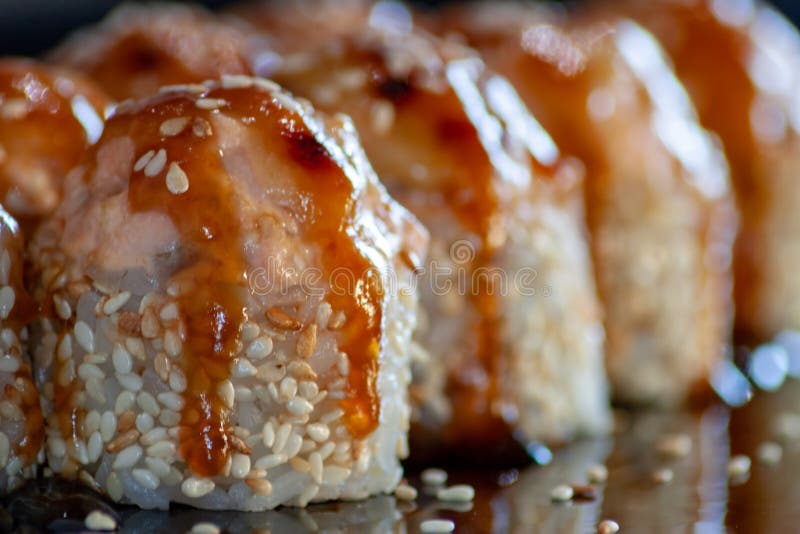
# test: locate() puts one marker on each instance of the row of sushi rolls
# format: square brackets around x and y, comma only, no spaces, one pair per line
[259,257]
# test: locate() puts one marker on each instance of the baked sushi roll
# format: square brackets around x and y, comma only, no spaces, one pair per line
[658,200]
[48,118]
[227,307]
[138,48]
[739,65]
[21,422]
[510,344]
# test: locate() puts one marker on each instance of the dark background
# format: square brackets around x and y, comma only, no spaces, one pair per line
[28,27]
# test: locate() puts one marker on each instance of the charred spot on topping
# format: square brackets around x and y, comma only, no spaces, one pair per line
[304,147]
[396,90]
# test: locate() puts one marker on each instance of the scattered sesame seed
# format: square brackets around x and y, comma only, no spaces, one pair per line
[210,103]
[177,181]
[194,487]
[675,445]
[236,81]
[434,476]
[281,319]
[608,526]
[260,486]
[307,341]
[437,526]
[97,520]
[174,126]
[205,528]
[770,453]
[405,492]
[663,476]
[561,493]
[457,493]
[597,473]
[739,465]
[156,164]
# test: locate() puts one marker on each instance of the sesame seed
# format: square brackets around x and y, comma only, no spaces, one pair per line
[162,449]
[236,81]
[787,426]
[201,127]
[739,465]
[183,87]
[94,447]
[434,476]
[123,363]
[288,388]
[169,418]
[585,492]
[154,436]
[108,426]
[144,422]
[404,492]
[194,487]
[171,400]
[8,364]
[319,432]
[205,528]
[268,433]
[271,460]
[608,526]
[300,465]
[7,298]
[162,366]
[675,445]
[769,453]
[88,371]
[259,485]
[84,336]
[382,114]
[242,368]
[157,466]
[177,381]
[116,302]
[336,414]
[282,320]
[561,493]
[127,457]
[62,307]
[173,126]
[210,103]
[177,181]
[334,475]
[172,343]
[114,486]
[226,393]
[169,312]
[5,448]
[259,348]
[293,445]
[597,473]
[457,493]
[663,476]
[271,372]
[156,164]
[148,403]
[281,437]
[145,478]
[301,370]
[307,341]
[240,465]
[124,402]
[437,526]
[97,520]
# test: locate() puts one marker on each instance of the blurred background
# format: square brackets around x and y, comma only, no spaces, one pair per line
[28,27]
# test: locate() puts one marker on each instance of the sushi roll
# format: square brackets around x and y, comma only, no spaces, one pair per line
[48,117]
[739,62]
[510,345]
[227,303]
[658,198]
[138,48]
[21,422]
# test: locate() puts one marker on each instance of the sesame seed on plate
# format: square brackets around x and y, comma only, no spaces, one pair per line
[205,528]
[434,476]
[561,493]
[770,453]
[597,473]
[607,526]
[405,492]
[97,520]
[739,465]
[437,526]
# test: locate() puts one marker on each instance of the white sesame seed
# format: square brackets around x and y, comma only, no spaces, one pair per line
[194,487]
[154,436]
[240,465]
[242,368]
[147,402]
[144,422]
[739,465]
[162,449]
[404,492]
[597,473]
[382,115]
[244,394]
[433,476]
[236,81]
[271,460]
[299,406]
[156,164]
[205,528]
[437,526]
[183,87]
[8,364]
[116,302]
[561,493]
[174,126]
[300,465]
[259,348]
[315,459]
[127,457]
[259,486]
[84,336]
[62,307]
[124,402]
[123,363]
[114,486]
[89,370]
[271,372]
[94,447]
[210,103]
[169,312]
[769,453]
[15,465]
[268,433]
[169,418]
[319,432]
[145,478]
[143,160]
[281,437]
[157,466]
[177,381]
[608,526]
[663,476]
[307,494]
[326,450]
[172,343]
[457,493]
[171,400]
[332,416]
[293,445]
[177,181]
[97,520]
[108,426]
[226,393]
[162,366]
[6,301]
[334,475]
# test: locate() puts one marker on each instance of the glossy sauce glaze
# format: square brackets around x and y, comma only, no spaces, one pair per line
[433,124]
[48,118]
[211,263]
